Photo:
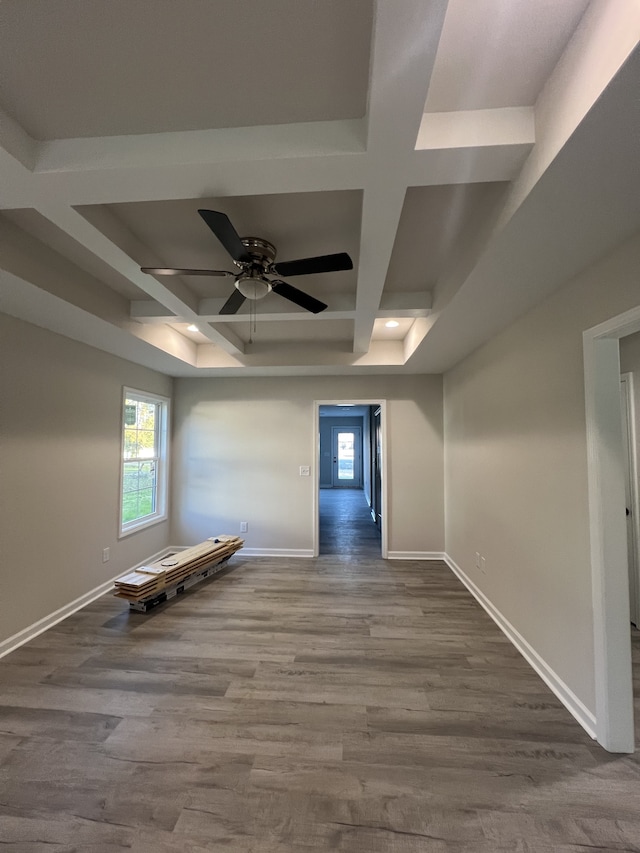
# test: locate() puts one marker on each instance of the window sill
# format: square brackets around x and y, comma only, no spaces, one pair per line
[143,524]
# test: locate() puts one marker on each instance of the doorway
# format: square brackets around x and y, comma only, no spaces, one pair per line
[614,719]
[349,478]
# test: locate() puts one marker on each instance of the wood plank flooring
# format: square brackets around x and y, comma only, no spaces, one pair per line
[294,706]
[346,526]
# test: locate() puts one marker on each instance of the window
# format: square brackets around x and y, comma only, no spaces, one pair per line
[143,499]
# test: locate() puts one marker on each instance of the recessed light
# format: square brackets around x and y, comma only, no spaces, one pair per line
[392,324]
[192,328]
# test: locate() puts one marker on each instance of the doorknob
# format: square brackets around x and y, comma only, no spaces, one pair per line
[628,511]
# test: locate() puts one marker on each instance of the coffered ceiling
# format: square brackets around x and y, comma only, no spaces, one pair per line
[461,153]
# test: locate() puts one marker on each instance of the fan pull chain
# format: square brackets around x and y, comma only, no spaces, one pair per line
[252,319]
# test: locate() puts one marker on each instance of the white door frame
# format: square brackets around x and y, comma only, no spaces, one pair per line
[607,522]
[316,468]
[631,472]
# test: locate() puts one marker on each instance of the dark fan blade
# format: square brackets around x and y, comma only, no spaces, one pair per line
[171,271]
[233,303]
[307,266]
[221,226]
[294,295]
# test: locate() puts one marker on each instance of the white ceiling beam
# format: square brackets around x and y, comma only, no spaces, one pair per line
[173,294]
[150,311]
[18,155]
[275,317]
[405,41]
[17,143]
[465,165]
[97,171]
[209,180]
[226,339]
[401,304]
[203,147]
[195,164]
[159,349]
[307,356]
[471,147]
[477,128]
[381,210]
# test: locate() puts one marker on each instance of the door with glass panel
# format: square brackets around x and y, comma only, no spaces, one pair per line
[346,450]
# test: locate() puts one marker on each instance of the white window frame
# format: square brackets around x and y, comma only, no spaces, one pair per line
[162,465]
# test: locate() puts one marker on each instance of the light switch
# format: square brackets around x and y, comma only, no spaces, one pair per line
[305,471]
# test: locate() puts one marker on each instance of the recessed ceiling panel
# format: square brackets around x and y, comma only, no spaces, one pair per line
[433,220]
[79,68]
[299,225]
[499,53]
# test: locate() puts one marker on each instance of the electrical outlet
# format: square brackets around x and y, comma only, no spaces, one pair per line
[244,526]
[106,555]
[305,471]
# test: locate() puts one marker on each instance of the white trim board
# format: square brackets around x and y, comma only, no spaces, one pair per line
[417,555]
[568,698]
[607,526]
[31,631]
[379,401]
[276,552]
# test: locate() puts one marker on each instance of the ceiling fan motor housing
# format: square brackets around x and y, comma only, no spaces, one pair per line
[252,282]
[262,254]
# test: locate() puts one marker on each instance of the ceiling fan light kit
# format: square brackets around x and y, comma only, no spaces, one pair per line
[255,258]
[253,286]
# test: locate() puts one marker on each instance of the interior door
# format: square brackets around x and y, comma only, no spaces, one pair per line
[630,474]
[346,451]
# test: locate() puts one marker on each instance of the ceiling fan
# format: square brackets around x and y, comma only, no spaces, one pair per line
[255,259]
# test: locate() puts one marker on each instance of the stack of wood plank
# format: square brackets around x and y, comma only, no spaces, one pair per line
[170,570]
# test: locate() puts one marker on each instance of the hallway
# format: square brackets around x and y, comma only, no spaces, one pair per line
[346,526]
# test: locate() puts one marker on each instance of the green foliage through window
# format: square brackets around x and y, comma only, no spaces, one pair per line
[142,457]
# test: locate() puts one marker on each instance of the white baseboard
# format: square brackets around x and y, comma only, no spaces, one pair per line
[416,555]
[568,698]
[276,552]
[22,637]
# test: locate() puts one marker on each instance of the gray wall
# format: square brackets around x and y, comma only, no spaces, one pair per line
[239,443]
[516,467]
[60,471]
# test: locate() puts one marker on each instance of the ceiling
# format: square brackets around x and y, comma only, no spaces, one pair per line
[469,157]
